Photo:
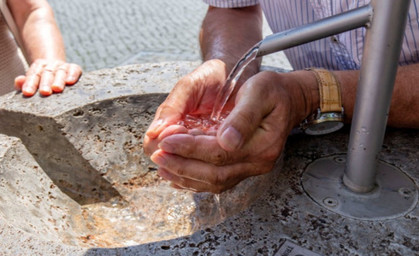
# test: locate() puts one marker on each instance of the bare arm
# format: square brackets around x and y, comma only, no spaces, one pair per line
[227,34]
[35,22]
[404,108]
[43,44]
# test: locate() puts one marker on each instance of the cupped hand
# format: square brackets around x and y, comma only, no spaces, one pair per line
[195,93]
[47,77]
[248,142]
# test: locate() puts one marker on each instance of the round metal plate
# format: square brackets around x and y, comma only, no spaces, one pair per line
[395,193]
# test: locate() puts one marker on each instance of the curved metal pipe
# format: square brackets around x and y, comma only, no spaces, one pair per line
[323,28]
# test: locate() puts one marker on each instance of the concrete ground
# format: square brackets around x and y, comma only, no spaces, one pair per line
[109,33]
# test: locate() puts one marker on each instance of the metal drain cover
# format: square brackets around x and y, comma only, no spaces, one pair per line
[395,193]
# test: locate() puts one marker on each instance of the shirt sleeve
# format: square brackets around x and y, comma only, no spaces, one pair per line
[231,3]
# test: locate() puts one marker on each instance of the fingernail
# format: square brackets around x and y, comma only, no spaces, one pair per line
[230,139]
[164,174]
[45,90]
[58,86]
[158,159]
[71,78]
[155,125]
[154,129]
[166,146]
[28,91]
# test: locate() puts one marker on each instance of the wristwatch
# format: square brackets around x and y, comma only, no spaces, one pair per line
[329,117]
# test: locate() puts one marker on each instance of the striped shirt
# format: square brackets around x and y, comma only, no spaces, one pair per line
[339,52]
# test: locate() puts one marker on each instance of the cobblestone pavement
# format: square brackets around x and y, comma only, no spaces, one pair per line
[108,33]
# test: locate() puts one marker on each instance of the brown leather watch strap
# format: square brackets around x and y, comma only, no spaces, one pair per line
[329,88]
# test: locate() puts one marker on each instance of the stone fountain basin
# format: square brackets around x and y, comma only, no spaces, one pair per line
[73,172]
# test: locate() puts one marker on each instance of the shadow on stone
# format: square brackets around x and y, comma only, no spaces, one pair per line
[94,154]
[45,140]
[88,143]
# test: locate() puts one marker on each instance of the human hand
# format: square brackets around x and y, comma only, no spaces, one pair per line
[248,142]
[47,76]
[193,94]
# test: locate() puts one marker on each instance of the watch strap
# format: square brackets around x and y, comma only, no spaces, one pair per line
[329,89]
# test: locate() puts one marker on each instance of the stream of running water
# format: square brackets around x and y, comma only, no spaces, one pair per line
[210,123]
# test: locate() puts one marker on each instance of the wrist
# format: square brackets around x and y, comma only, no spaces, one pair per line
[329,115]
[305,95]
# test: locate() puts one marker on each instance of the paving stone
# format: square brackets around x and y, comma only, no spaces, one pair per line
[109,33]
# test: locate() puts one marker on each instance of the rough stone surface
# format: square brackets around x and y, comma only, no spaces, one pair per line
[285,212]
[67,160]
[94,187]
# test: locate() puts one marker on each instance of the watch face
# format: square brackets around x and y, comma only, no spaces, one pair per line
[323,127]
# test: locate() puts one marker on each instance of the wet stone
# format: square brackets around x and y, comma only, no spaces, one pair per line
[74,168]
[74,181]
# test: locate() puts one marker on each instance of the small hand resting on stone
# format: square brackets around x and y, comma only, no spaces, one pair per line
[48,77]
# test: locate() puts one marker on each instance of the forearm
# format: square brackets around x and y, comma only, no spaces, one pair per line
[404,108]
[38,29]
[227,34]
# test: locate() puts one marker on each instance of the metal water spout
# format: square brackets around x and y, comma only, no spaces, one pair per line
[320,29]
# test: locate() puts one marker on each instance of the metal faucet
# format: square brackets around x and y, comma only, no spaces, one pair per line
[349,20]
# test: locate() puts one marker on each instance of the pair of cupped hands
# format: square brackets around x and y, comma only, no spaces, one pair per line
[263,112]
[47,77]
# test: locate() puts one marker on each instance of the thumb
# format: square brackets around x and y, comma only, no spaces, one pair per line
[165,116]
[252,105]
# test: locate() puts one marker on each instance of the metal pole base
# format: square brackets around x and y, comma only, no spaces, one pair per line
[395,193]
